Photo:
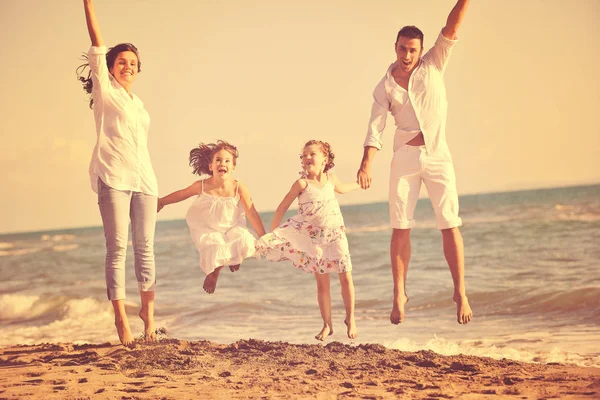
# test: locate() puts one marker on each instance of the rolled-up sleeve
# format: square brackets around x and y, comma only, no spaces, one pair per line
[439,54]
[97,60]
[379,111]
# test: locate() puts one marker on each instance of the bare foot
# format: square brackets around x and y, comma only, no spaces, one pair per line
[326,331]
[149,328]
[234,268]
[463,309]
[210,282]
[124,332]
[397,314]
[352,331]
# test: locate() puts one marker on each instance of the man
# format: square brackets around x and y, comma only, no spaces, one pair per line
[413,91]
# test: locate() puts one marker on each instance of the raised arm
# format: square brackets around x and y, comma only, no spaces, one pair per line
[92,23]
[455,18]
[251,212]
[180,195]
[340,187]
[287,201]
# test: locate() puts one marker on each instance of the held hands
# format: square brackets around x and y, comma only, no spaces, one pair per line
[364,177]
[160,205]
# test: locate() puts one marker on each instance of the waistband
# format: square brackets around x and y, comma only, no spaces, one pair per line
[411,149]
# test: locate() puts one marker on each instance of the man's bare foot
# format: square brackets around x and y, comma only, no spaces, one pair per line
[124,332]
[397,314]
[463,309]
[149,328]
[210,282]
[326,331]
[234,268]
[352,331]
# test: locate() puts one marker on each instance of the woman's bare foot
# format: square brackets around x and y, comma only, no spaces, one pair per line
[463,309]
[149,327]
[397,314]
[210,282]
[124,332]
[234,268]
[352,331]
[326,331]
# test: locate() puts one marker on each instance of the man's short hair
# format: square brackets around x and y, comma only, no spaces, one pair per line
[411,32]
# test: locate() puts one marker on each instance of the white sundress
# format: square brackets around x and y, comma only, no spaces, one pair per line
[218,229]
[314,240]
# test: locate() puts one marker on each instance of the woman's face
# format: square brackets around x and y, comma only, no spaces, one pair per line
[125,68]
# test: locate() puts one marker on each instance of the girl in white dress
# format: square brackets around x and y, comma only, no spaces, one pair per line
[217,218]
[315,240]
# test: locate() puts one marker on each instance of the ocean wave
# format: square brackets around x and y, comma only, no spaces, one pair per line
[19,252]
[58,238]
[6,245]
[65,247]
[496,349]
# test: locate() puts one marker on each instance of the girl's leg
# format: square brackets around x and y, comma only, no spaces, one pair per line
[235,267]
[324,298]
[143,223]
[348,295]
[210,282]
[114,209]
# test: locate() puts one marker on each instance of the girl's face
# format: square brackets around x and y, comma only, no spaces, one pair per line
[125,68]
[313,159]
[222,164]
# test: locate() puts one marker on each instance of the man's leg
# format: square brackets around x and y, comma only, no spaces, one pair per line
[455,256]
[440,181]
[400,256]
[405,185]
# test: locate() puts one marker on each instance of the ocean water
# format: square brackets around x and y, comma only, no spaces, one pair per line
[532,274]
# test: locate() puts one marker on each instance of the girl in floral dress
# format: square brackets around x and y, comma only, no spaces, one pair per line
[315,240]
[217,218]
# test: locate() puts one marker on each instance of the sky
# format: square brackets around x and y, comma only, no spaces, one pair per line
[523,92]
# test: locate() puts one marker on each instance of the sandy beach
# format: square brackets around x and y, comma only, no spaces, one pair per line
[252,369]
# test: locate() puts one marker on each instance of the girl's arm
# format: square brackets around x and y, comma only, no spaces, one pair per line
[342,188]
[251,212]
[287,201]
[180,195]
[92,23]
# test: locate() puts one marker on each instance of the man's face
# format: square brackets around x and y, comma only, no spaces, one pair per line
[408,52]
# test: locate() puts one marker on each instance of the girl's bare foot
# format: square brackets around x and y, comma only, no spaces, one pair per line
[397,314]
[352,331]
[124,332]
[326,331]
[149,327]
[234,268]
[463,309]
[210,282]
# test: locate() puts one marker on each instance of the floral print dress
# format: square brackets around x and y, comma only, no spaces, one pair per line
[314,240]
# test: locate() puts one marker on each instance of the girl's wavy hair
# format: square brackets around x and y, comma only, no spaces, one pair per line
[202,156]
[325,149]
[111,56]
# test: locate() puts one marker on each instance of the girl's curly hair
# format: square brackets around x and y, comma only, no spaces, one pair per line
[111,56]
[202,156]
[325,149]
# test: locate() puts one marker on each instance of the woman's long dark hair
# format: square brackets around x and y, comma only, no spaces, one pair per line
[111,56]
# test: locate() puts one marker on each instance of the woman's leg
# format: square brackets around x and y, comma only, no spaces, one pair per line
[348,295]
[324,298]
[114,209]
[143,223]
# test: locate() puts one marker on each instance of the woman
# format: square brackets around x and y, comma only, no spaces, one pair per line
[121,173]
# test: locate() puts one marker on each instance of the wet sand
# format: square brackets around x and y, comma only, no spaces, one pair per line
[254,369]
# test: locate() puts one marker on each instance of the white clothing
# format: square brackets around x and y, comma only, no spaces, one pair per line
[218,228]
[427,94]
[120,158]
[410,166]
[314,239]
